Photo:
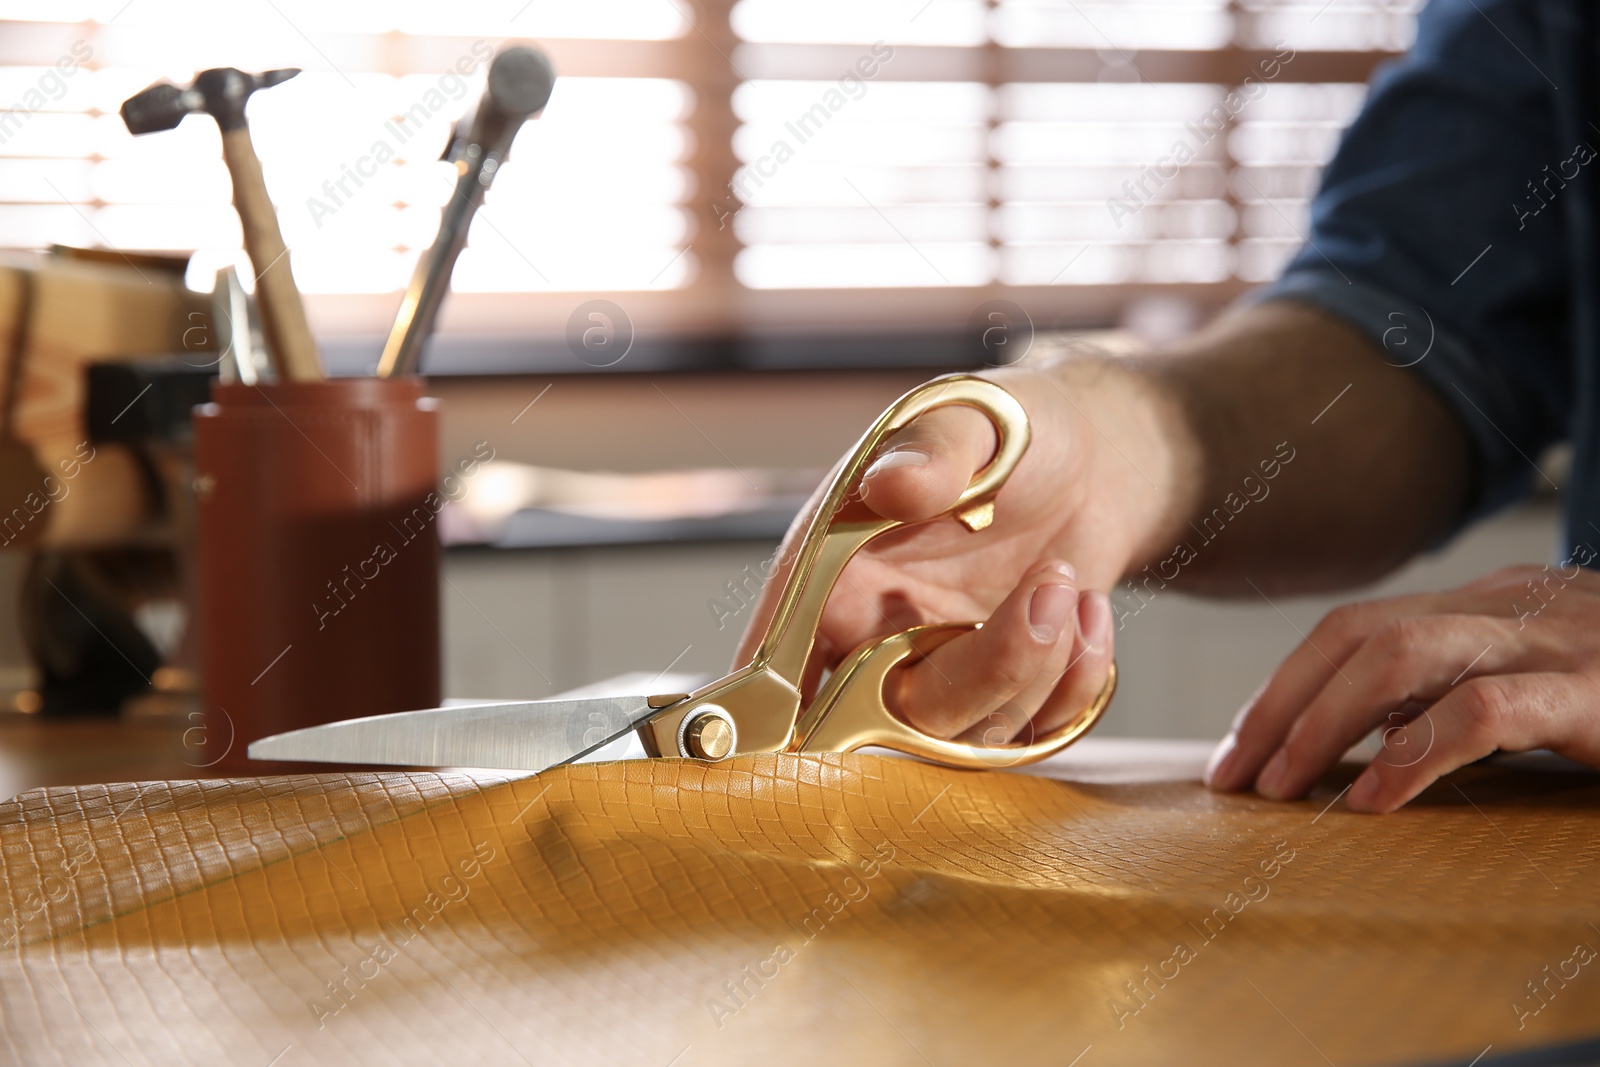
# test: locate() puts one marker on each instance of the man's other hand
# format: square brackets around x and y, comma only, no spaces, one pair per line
[1510,662]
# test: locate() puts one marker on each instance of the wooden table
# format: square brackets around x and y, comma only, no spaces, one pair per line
[36,751]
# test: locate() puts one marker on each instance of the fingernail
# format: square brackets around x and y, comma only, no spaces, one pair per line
[1048,609]
[1094,619]
[1363,793]
[1219,770]
[900,457]
[1271,781]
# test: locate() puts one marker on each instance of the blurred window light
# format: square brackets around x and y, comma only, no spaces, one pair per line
[351,156]
[922,22]
[614,19]
[1112,25]
[907,144]
[1345,26]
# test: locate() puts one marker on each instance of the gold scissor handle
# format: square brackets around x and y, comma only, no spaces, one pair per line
[830,541]
[850,712]
[759,704]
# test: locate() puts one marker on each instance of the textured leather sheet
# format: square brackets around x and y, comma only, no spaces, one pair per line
[792,910]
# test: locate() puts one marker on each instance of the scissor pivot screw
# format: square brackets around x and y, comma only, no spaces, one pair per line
[707,733]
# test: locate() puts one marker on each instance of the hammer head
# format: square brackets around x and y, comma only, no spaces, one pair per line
[221,92]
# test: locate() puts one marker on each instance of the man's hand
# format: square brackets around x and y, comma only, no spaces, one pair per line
[1067,524]
[1129,456]
[1509,662]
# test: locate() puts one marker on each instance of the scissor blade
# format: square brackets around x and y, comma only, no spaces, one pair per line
[530,735]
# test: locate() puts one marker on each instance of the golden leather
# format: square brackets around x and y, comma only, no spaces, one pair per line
[791,910]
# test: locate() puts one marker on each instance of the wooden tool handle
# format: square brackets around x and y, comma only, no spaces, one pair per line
[283,316]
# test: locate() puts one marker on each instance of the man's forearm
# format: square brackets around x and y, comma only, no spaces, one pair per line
[1368,465]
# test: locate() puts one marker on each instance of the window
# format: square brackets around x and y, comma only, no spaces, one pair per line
[714,165]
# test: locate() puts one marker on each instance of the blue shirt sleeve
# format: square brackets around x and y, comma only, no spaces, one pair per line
[1439,230]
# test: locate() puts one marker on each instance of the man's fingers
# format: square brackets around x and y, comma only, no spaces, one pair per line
[1514,712]
[1058,695]
[1029,637]
[1086,672]
[1407,664]
[1263,723]
[917,474]
[1514,578]
[922,469]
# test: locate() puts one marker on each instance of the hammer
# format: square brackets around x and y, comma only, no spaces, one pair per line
[222,93]
[520,81]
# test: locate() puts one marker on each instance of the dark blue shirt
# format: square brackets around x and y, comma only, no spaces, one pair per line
[1455,227]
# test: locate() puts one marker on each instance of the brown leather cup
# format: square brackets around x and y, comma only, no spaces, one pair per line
[318,558]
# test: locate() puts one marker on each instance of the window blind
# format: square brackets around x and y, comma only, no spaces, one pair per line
[714,164]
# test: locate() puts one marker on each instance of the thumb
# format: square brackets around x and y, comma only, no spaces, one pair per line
[917,474]
[921,470]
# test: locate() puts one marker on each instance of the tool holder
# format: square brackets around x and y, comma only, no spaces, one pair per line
[318,554]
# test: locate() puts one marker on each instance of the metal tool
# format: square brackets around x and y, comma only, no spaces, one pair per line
[757,708]
[222,93]
[238,358]
[520,82]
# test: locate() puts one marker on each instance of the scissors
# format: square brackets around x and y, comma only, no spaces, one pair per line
[759,707]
